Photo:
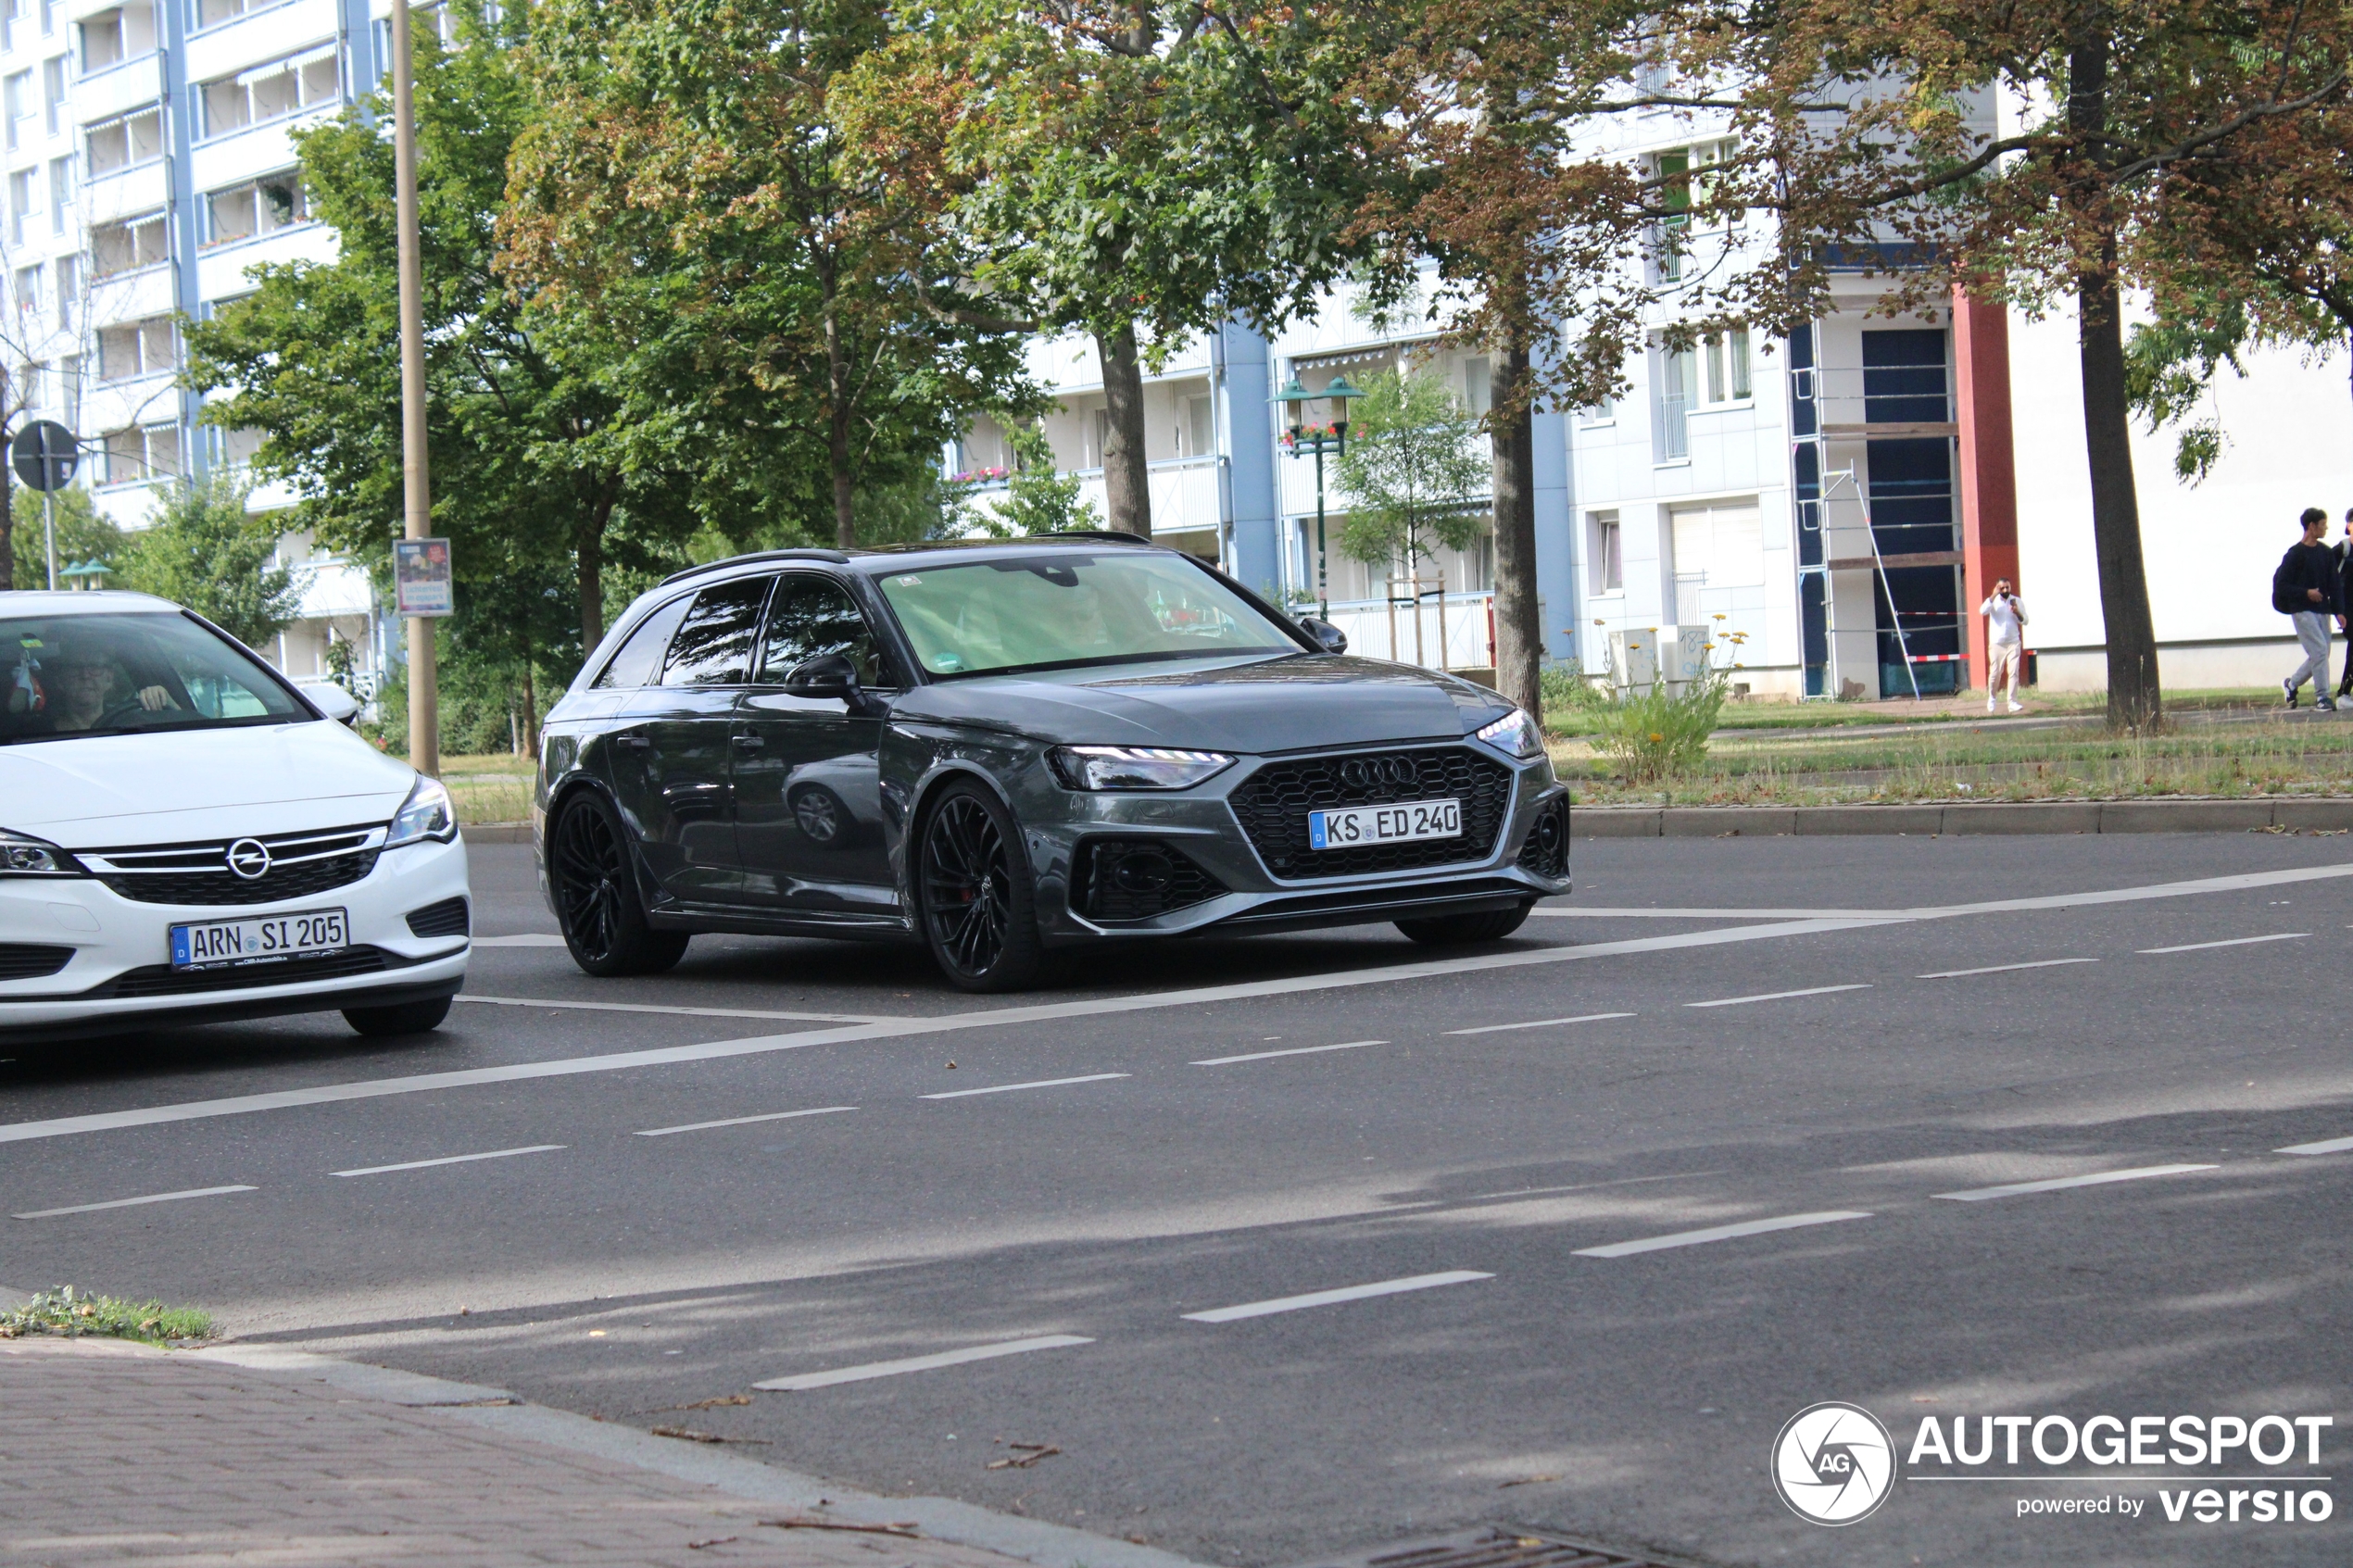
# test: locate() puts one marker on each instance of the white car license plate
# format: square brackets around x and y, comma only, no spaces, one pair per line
[1384,825]
[215,942]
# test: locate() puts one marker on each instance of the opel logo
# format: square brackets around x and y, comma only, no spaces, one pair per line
[1366,772]
[250,857]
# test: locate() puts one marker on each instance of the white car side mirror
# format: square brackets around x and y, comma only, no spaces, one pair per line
[332,700]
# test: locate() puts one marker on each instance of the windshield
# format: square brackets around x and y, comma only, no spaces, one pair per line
[1069,608]
[72,675]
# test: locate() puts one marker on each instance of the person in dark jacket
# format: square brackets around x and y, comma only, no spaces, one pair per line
[2306,591]
[2343,549]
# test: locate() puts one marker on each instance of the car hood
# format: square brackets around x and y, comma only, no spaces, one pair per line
[113,791]
[1288,703]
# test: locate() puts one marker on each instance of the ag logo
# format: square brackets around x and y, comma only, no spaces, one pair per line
[1833,1463]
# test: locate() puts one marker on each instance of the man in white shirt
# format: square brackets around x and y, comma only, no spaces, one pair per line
[2005,636]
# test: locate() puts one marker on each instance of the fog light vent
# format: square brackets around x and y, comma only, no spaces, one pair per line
[1546,849]
[1120,879]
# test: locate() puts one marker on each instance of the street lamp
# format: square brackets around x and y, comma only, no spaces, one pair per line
[1301,439]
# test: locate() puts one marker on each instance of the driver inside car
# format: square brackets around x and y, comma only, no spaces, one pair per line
[81,676]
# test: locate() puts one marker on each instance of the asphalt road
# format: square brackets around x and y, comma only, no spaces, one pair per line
[1153,1152]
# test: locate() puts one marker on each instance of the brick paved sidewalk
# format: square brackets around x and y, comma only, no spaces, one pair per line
[119,1454]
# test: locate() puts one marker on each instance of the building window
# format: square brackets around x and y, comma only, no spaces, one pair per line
[27,290]
[69,390]
[111,37]
[12,16]
[128,245]
[1478,388]
[212,12]
[232,448]
[138,454]
[1728,378]
[1904,377]
[1671,377]
[245,212]
[31,385]
[48,18]
[60,191]
[53,88]
[25,191]
[132,349]
[120,144]
[1606,545]
[16,101]
[271,91]
[68,285]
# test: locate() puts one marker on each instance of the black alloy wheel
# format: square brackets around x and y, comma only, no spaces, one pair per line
[974,886]
[598,906]
[1453,931]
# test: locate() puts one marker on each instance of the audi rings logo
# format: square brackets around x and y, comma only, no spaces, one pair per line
[1365,772]
[250,857]
[1833,1463]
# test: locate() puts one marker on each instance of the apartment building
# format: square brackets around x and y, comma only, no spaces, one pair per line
[150,162]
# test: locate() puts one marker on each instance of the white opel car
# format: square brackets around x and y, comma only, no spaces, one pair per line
[186,838]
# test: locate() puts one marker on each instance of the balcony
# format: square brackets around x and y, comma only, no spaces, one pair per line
[1186,494]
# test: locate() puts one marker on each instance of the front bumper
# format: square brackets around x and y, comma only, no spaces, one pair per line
[119,978]
[1065,828]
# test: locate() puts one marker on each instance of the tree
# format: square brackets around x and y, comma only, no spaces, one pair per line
[1039,498]
[1410,473]
[84,533]
[201,549]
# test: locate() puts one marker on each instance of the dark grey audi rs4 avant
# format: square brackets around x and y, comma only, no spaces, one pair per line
[1003,749]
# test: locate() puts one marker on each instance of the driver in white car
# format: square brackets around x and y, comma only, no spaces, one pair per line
[81,675]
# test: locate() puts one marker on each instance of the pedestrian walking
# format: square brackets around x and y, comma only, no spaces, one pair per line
[2343,550]
[2306,591]
[2005,640]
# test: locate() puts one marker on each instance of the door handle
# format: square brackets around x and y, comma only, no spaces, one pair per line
[634,742]
[749,743]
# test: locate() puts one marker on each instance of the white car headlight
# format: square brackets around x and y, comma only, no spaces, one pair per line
[426,814]
[1134,767]
[1515,733]
[23,855]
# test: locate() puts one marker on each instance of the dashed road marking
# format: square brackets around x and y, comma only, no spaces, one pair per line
[450,1159]
[743,1120]
[1034,1083]
[2001,969]
[1294,1050]
[2233,942]
[920,1363]
[131,1202]
[2058,1184]
[1719,1232]
[1539,1024]
[1777,996]
[1333,1298]
[676,1012]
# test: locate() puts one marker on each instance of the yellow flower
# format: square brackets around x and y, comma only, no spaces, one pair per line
[1657,739]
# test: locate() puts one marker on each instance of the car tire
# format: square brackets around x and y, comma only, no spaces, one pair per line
[598,908]
[1454,931]
[401,1017]
[975,899]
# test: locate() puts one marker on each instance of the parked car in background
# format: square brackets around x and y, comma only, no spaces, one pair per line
[185,837]
[1002,749]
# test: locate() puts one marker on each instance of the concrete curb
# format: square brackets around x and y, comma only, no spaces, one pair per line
[494,833]
[944,1519]
[2284,812]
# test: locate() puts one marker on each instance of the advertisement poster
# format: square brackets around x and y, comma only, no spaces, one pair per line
[420,576]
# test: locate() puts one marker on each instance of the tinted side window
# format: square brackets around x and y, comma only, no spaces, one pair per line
[814,615]
[713,648]
[640,659]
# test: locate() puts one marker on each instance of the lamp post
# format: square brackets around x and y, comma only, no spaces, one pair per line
[1301,439]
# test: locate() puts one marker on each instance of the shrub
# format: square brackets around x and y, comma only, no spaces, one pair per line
[71,1313]
[1660,732]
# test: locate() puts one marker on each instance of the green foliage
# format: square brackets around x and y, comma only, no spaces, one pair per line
[2170,366]
[1660,732]
[1410,473]
[73,1314]
[201,549]
[84,534]
[1038,497]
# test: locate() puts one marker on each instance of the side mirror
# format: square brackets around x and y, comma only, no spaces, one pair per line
[333,701]
[1328,637]
[828,675]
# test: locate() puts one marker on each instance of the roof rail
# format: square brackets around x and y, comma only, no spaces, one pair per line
[1106,535]
[833,555]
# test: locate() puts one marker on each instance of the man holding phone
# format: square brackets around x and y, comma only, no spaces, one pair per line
[2005,640]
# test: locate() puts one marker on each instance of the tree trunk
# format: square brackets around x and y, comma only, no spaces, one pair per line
[530,709]
[592,582]
[838,437]
[2134,700]
[8,533]
[1519,631]
[1126,481]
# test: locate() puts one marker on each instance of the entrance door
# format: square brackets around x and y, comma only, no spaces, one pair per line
[809,823]
[672,753]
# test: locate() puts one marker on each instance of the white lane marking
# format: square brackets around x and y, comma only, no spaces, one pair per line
[1333,1298]
[743,1120]
[2327,1146]
[1645,912]
[2001,969]
[450,1159]
[1777,996]
[131,1202]
[1295,1050]
[2233,942]
[1034,1083]
[680,1011]
[524,939]
[1539,1024]
[1719,1232]
[2097,1178]
[920,1363]
[899,1028]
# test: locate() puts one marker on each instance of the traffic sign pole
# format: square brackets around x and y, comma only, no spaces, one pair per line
[45,454]
[424,693]
[49,535]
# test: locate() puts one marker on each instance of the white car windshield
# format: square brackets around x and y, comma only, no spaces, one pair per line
[69,676]
[1072,607]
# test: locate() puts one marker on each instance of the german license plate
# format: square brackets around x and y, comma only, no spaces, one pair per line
[1384,825]
[213,943]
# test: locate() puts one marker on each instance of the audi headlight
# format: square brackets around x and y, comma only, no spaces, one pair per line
[426,814]
[1134,767]
[23,855]
[1515,733]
